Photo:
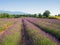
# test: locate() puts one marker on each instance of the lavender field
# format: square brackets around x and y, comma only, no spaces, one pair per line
[29,31]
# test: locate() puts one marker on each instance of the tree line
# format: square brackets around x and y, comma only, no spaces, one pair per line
[46,14]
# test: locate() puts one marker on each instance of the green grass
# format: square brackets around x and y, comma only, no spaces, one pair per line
[54,17]
[1,28]
[11,39]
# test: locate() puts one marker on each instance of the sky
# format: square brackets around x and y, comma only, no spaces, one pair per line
[31,6]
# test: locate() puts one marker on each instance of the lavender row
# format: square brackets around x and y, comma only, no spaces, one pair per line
[12,36]
[36,36]
[6,23]
[47,28]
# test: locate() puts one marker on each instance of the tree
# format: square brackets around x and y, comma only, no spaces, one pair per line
[35,15]
[55,15]
[40,16]
[5,15]
[58,14]
[46,13]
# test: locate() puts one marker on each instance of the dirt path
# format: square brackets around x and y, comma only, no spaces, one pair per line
[2,32]
[25,37]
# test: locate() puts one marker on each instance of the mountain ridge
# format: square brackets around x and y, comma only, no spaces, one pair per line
[13,12]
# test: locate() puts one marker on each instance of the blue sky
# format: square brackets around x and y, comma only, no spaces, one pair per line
[31,6]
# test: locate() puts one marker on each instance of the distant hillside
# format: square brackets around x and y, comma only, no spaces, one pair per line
[10,12]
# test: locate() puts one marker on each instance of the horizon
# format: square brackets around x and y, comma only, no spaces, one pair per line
[31,6]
